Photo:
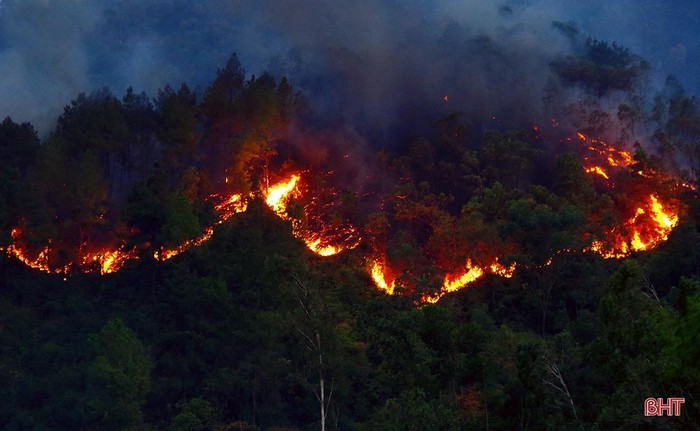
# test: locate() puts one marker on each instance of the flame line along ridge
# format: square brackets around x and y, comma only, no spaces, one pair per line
[107,260]
[649,224]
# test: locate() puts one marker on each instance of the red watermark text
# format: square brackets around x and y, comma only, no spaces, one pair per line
[661,407]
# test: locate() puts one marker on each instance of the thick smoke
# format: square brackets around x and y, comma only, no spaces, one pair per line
[381,65]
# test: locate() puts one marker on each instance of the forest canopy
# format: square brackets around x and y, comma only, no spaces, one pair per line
[247,329]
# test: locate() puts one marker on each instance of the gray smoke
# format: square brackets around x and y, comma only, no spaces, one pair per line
[380,65]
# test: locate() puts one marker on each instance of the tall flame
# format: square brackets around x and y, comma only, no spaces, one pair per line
[649,226]
[277,195]
[378,273]
[319,241]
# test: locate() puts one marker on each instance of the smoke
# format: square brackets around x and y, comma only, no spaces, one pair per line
[388,67]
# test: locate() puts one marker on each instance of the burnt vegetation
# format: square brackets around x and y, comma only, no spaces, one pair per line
[251,331]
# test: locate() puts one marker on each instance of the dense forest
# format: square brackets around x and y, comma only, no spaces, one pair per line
[247,328]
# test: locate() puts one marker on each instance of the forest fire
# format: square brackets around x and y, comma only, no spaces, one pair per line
[321,239]
[326,234]
[651,222]
[324,241]
[455,282]
[104,262]
[470,274]
[235,204]
[108,261]
[378,274]
[614,156]
[277,195]
[165,253]
[650,225]
[451,283]
[40,261]
[598,171]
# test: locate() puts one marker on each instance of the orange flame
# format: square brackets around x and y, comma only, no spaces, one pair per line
[165,254]
[598,171]
[277,195]
[614,157]
[456,282]
[470,274]
[40,262]
[226,209]
[318,241]
[233,205]
[109,261]
[651,224]
[377,271]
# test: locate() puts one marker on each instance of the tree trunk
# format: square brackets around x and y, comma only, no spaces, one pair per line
[322,388]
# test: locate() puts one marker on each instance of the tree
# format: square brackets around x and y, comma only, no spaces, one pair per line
[314,330]
[507,157]
[222,116]
[19,146]
[414,411]
[119,377]
[178,132]
[195,415]
[141,120]
[602,68]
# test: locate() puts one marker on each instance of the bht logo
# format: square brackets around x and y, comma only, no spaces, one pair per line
[657,406]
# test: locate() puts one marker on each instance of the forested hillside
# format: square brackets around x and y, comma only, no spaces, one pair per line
[221,260]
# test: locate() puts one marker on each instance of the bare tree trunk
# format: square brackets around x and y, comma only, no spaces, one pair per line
[560,385]
[322,390]
[323,396]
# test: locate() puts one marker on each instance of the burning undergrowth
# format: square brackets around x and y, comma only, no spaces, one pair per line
[414,243]
[130,179]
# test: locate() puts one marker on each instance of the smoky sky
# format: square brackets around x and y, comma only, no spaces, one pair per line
[380,64]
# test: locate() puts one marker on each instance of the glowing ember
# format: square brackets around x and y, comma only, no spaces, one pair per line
[165,254]
[40,261]
[233,205]
[503,271]
[108,261]
[322,250]
[602,151]
[598,171]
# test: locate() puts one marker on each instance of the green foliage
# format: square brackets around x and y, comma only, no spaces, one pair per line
[119,377]
[603,68]
[413,411]
[507,157]
[19,145]
[235,328]
[195,415]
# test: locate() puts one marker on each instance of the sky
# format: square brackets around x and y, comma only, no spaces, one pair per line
[379,63]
